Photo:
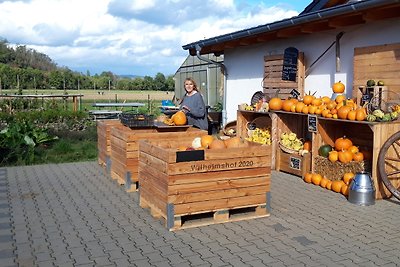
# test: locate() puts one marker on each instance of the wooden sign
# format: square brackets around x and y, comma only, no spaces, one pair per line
[312,123]
[289,68]
[294,93]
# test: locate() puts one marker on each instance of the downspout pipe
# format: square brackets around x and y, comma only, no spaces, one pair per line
[224,73]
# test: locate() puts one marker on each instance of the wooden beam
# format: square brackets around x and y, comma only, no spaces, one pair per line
[343,21]
[289,32]
[316,27]
[382,13]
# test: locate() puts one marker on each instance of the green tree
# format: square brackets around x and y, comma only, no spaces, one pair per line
[160,82]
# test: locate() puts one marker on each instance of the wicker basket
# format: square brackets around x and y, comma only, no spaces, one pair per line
[230,128]
[288,150]
[134,120]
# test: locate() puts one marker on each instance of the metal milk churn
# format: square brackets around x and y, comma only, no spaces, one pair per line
[362,189]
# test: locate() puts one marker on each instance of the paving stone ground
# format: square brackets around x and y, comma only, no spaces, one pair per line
[75,215]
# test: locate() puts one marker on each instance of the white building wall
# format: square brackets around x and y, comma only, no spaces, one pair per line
[246,65]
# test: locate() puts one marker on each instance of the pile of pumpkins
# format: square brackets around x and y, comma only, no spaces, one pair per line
[338,108]
[344,151]
[338,186]
[213,142]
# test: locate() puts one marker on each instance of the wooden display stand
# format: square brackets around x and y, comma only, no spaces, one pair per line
[103,141]
[125,149]
[363,134]
[281,122]
[220,185]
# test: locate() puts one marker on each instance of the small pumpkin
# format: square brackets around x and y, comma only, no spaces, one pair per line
[217,144]
[345,156]
[361,114]
[351,115]
[337,186]
[329,185]
[287,104]
[338,87]
[275,103]
[347,177]
[233,142]
[333,156]
[343,143]
[206,140]
[179,118]
[343,111]
[324,182]
[358,157]
[316,178]
[344,190]
[299,106]
[308,177]
[307,145]
[307,99]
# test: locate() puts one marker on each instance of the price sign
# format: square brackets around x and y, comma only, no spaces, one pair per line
[295,93]
[295,163]
[312,123]
[289,68]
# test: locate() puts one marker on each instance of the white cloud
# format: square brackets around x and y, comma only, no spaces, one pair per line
[126,37]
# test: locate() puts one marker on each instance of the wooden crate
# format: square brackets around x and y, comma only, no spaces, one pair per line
[293,163]
[103,141]
[363,134]
[244,117]
[125,149]
[222,185]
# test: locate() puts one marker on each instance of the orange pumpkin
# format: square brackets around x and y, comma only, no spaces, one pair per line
[308,177]
[179,118]
[343,143]
[329,185]
[340,99]
[347,177]
[307,99]
[275,103]
[324,182]
[305,110]
[361,114]
[333,156]
[316,178]
[338,87]
[217,144]
[343,111]
[287,104]
[337,185]
[353,149]
[206,140]
[344,190]
[358,156]
[345,156]
[233,142]
[351,115]
[307,145]
[317,102]
[300,106]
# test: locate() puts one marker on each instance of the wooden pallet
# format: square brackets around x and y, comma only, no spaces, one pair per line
[208,218]
[217,182]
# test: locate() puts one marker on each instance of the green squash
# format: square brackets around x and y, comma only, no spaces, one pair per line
[324,150]
[370,83]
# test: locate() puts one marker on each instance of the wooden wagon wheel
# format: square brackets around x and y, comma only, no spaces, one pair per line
[389,164]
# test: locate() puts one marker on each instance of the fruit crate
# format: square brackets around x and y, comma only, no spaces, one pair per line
[125,149]
[215,186]
[367,135]
[103,141]
[293,163]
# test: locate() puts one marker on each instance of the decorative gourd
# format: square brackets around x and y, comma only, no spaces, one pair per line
[324,150]
[206,140]
[196,143]
[179,118]
[333,156]
[343,143]
[338,87]
[275,103]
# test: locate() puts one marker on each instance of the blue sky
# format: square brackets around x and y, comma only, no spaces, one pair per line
[134,37]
